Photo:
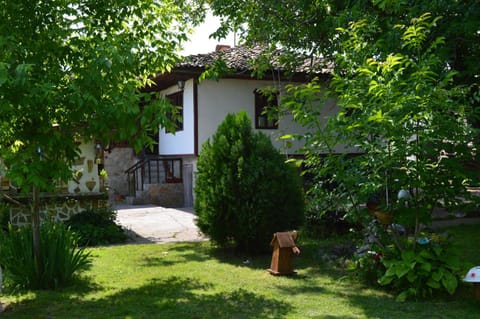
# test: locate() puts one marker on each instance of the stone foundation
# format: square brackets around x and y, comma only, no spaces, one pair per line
[165,195]
[57,208]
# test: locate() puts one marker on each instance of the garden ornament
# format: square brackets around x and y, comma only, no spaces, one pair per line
[404,194]
[283,247]
[423,241]
[473,276]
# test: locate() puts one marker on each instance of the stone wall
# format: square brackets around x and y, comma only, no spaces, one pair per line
[116,162]
[56,207]
[165,195]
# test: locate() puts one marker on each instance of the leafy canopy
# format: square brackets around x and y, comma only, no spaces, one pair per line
[73,70]
[310,26]
[405,78]
[396,76]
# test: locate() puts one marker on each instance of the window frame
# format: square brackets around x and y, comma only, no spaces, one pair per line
[172,176]
[263,102]
[176,99]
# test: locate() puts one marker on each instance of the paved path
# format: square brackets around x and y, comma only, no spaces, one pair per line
[155,224]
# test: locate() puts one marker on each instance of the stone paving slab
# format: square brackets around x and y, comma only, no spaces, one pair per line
[155,224]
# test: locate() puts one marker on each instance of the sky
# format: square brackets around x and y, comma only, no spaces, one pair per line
[200,43]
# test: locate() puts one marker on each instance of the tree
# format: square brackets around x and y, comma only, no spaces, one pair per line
[311,26]
[72,71]
[406,87]
[374,64]
[244,190]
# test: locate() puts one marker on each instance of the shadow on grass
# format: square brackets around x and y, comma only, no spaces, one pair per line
[135,238]
[173,297]
[308,263]
[240,259]
[304,288]
[80,285]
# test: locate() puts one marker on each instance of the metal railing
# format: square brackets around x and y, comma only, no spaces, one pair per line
[153,170]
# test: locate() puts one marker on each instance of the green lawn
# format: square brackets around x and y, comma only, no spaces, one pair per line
[197,281]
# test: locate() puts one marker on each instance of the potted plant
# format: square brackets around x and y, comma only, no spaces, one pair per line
[379,211]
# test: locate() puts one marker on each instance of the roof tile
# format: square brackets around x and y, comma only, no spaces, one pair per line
[241,58]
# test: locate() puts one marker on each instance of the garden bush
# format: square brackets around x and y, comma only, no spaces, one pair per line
[434,266]
[61,258]
[97,227]
[327,224]
[412,269]
[244,190]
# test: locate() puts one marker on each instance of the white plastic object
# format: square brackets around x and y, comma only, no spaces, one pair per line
[404,194]
[473,275]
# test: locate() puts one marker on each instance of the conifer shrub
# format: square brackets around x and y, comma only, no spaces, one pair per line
[245,191]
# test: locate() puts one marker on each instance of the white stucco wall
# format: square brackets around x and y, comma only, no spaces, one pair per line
[86,170]
[181,142]
[216,99]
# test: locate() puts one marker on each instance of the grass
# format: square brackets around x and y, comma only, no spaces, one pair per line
[197,281]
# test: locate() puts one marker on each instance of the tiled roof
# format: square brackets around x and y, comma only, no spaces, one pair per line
[240,59]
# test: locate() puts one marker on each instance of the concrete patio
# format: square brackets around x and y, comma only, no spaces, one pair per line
[155,224]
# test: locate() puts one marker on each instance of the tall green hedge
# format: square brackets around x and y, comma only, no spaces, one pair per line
[244,189]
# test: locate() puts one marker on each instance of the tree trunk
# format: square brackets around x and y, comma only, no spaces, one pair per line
[36,228]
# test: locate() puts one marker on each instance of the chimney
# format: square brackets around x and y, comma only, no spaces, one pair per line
[221,47]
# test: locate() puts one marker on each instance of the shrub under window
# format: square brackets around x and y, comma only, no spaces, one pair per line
[245,191]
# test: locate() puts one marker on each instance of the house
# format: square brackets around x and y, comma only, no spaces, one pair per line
[166,176]
[86,189]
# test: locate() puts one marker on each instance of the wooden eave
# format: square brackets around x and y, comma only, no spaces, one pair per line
[166,80]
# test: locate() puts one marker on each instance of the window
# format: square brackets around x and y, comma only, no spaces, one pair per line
[173,170]
[265,117]
[177,100]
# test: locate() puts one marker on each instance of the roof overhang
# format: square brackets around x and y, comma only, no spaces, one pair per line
[165,80]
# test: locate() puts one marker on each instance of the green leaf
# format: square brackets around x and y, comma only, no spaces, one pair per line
[402,297]
[412,277]
[408,256]
[450,282]
[366,71]
[438,275]
[377,117]
[385,280]
[433,283]
[426,254]
[403,268]
[451,260]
